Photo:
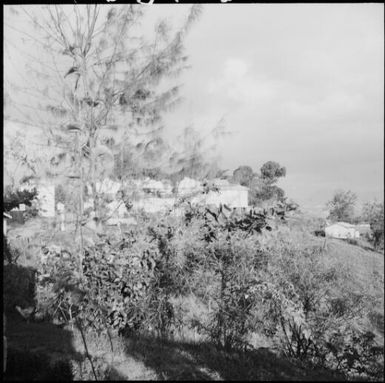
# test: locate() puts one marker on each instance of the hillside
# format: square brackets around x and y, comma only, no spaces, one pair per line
[368,268]
[364,263]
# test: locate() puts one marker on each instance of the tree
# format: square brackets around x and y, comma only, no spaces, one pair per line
[341,206]
[97,84]
[12,199]
[268,192]
[243,175]
[19,164]
[271,171]
[261,186]
[373,212]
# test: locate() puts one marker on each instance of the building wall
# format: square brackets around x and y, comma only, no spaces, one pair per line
[46,198]
[154,204]
[5,226]
[337,231]
[230,197]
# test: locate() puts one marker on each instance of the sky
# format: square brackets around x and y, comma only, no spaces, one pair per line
[300,84]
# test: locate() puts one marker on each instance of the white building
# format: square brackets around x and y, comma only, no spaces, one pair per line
[189,186]
[107,186]
[158,188]
[154,204]
[227,194]
[364,229]
[46,198]
[157,196]
[6,217]
[342,230]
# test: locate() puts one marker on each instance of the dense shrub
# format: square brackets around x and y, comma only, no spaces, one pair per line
[126,284]
[13,198]
[279,283]
[325,322]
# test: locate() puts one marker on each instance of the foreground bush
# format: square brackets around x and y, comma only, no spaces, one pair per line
[248,279]
[327,323]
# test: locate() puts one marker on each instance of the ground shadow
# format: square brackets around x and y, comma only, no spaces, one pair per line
[36,351]
[176,360]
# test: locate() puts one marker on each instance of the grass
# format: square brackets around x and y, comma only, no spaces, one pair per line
[363,263]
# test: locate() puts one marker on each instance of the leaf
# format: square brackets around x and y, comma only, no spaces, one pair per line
[90,102]
[103,151]
[73,127]
[71,70]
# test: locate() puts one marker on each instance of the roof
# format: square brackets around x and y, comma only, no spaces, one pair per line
[363,226]
[224,184]
[342,224]
[233,187]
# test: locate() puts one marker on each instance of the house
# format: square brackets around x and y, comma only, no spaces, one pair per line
[5,218]
[155,196]
[189,186]
[157,188]
[232,195]
[342,230]
[107,186]
[364,229]
[154,204]
[45,197]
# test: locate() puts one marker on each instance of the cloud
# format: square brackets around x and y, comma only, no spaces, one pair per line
[235,68]
[238,85]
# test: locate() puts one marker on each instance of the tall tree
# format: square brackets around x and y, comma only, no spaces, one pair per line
[96,82]
[373,212]
[271,171]
[243,175]
[341,206]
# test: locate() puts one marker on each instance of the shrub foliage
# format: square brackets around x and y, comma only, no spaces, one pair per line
[251,277]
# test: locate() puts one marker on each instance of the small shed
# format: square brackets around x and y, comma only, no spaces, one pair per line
[342,230]
[6,216]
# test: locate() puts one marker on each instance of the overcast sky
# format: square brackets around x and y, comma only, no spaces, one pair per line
[299,84]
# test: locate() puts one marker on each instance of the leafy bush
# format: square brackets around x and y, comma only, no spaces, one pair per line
[10,253]
[236,264]
[12,199]
[318,314]
[246,279]
[126,284]
[222,259]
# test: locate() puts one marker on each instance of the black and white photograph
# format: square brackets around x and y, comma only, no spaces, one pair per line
[193,191]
